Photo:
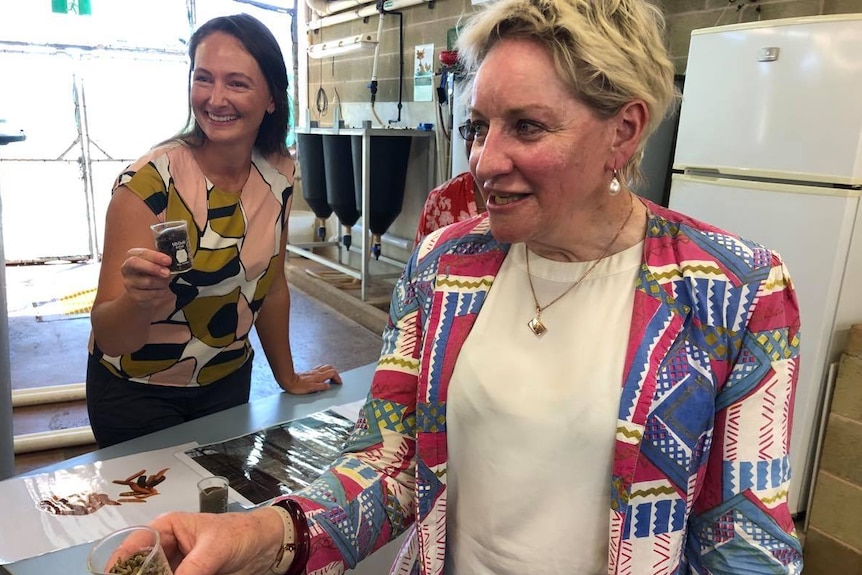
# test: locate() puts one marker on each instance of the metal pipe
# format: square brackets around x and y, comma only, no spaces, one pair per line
[340,18]
[368,10]
[49,394]
[14,46]
[325,261]
[7,456]
[86,168]
[324,8]
[44,440]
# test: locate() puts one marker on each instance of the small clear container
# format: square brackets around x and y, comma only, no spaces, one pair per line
[135,550]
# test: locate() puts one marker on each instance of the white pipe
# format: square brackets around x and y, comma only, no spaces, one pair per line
[397,241]
[374,69]
[377,48]
[368,10]
[44,440]
[340,18]
[324,8]
[49,394]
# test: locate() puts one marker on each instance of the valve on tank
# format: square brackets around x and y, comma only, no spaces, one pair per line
[320,227]
[375,246]
[346,237]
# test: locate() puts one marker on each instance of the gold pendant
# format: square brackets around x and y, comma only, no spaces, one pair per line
[536,325]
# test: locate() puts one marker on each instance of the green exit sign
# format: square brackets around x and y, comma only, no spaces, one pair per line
[80,7]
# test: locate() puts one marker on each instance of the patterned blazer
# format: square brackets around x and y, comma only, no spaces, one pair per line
[700,473]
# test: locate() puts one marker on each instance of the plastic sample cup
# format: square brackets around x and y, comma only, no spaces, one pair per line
[130,551]
[172,238]
[212,494]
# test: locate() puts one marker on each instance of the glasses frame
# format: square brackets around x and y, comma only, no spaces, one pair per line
[466,131]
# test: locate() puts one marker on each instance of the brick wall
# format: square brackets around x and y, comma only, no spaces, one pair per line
[834,537]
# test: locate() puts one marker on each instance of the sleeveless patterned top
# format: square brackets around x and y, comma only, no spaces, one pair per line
[202,334]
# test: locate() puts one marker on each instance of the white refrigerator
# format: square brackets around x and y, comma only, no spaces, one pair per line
[769,147]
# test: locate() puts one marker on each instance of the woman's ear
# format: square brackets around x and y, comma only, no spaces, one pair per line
[631,123]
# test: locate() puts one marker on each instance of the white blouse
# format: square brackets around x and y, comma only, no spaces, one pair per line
[531,420]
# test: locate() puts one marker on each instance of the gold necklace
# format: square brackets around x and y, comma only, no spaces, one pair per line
[536,326]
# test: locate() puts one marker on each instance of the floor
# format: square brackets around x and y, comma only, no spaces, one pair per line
[49,329]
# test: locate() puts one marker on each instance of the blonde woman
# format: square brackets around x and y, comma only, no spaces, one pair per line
[578,381]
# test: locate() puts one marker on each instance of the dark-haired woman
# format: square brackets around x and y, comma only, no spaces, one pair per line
[166,348]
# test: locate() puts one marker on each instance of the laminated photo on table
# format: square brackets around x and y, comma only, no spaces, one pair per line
[278,460]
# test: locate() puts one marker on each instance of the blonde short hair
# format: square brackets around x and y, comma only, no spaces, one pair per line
[608,52]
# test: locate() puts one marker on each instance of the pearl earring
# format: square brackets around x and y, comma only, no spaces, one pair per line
[615,186]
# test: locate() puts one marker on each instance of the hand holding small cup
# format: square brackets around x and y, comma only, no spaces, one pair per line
[134,550]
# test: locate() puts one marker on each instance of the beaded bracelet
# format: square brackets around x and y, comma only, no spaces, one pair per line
[302,539]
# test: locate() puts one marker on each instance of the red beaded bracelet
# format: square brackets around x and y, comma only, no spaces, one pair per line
[302,539]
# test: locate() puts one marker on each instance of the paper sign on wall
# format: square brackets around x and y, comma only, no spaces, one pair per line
[423,73]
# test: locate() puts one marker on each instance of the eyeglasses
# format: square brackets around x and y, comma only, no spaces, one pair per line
[467,131]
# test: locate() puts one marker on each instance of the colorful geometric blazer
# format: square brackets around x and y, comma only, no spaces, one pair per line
[201,334]
[700,473]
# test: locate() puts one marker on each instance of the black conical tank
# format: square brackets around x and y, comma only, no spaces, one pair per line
[309,148]
[340,190]
[389,156]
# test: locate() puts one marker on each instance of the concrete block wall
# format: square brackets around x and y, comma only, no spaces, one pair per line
[429,24]
[834,537]
[344,78]
[426,23]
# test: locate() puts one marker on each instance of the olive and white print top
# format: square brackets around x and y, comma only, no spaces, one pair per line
[202,334]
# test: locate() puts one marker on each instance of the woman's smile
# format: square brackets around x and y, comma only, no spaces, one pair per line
[505,199]
[220,119]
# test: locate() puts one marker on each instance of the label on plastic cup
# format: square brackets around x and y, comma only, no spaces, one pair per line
[172,238]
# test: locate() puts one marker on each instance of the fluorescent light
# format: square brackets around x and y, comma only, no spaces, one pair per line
[343,46]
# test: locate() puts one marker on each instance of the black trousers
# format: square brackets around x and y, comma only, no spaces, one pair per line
[121,410]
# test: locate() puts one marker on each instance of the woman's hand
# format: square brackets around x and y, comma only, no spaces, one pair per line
[318,379]
[244,543]
[146,276]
